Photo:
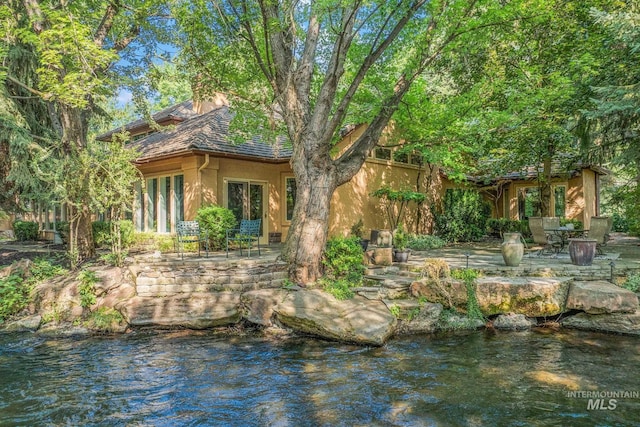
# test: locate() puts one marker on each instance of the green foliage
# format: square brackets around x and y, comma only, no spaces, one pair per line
[463,216]
[101,233]
[340,288]
[357,229]
[216,220]
[394,202]
[43,269]
[400,239]
[469,276]
[498,226]
[343,259]
[14,295]
[632,283]
[620,223]
[424,242]
[25,230]
[577,224]
[16,291]
[104,319]
[395,310]
[87,288]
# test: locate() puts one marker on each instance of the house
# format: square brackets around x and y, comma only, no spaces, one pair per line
[193,164]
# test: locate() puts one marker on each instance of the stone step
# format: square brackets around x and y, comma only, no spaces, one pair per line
[601,297]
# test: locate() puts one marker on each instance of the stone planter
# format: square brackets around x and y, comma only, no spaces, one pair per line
[582,251]
[512,249]
[385,238]
[382,256]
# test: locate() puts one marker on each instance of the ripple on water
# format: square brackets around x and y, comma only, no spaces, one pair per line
[166,379]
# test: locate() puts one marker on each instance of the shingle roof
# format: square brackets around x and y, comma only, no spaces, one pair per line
[178,112]
[207,133]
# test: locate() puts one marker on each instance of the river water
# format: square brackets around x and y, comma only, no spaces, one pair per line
[185,378]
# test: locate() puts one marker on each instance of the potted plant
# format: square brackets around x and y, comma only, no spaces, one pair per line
[400,253]
[357,230]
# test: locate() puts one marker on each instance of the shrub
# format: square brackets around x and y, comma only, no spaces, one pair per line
[14,295]
[469,276]
[87,288]
[343,259]
[340,289]
[423,242]
[25,230]
[102,233]
[216,220]
[463,216]
[632,283]
[620,223]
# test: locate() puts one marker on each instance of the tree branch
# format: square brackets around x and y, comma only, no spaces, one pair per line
[106,23]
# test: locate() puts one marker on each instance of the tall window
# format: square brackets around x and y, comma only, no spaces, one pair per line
[152,204]
[290,184]
[559,200]
[178,194]
[528,202]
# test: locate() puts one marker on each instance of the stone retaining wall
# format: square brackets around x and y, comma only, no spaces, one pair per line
[159,279]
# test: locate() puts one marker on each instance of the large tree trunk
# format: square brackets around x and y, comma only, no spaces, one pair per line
[309,227]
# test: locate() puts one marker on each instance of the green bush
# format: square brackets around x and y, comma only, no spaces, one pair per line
[87,288]
[632,283]
[343,259]
[340,289]
[620,223]
[102,233]
[216,220]
[463,216]
[14,296]
[25,230]
[423,242]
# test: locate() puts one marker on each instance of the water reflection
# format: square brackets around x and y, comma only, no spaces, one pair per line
[183,378]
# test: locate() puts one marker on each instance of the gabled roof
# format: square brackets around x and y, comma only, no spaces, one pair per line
[207,133]
[175,113]
[529,173]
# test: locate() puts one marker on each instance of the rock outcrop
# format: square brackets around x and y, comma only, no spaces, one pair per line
[357,320]
[620,323]
[531,296]
[196,311]
[601,297]
[513,322]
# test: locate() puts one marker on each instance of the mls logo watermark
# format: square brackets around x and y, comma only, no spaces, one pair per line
[603,400]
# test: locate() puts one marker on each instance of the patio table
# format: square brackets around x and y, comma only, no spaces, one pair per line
[564,234]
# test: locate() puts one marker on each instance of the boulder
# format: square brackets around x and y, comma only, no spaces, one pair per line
[622,323]
[21,268]
[415,317]
[448,292]
[196,311]
[531,296]
[383,256]
[258,306]
[600,297]
[357,320]
[26,324]
[513,322]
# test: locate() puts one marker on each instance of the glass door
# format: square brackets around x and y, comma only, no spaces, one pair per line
[246,200]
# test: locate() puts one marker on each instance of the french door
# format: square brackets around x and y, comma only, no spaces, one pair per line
[247,200]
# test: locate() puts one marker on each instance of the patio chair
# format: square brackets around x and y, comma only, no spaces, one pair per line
[550,242]
[248,233]
[190,232]
[600,230]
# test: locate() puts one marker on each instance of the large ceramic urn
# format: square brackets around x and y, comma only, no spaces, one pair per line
[512,249]
[582,251]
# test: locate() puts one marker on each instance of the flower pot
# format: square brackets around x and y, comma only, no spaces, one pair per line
[365,244]
[401,256]
[512,249]
[582,251]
